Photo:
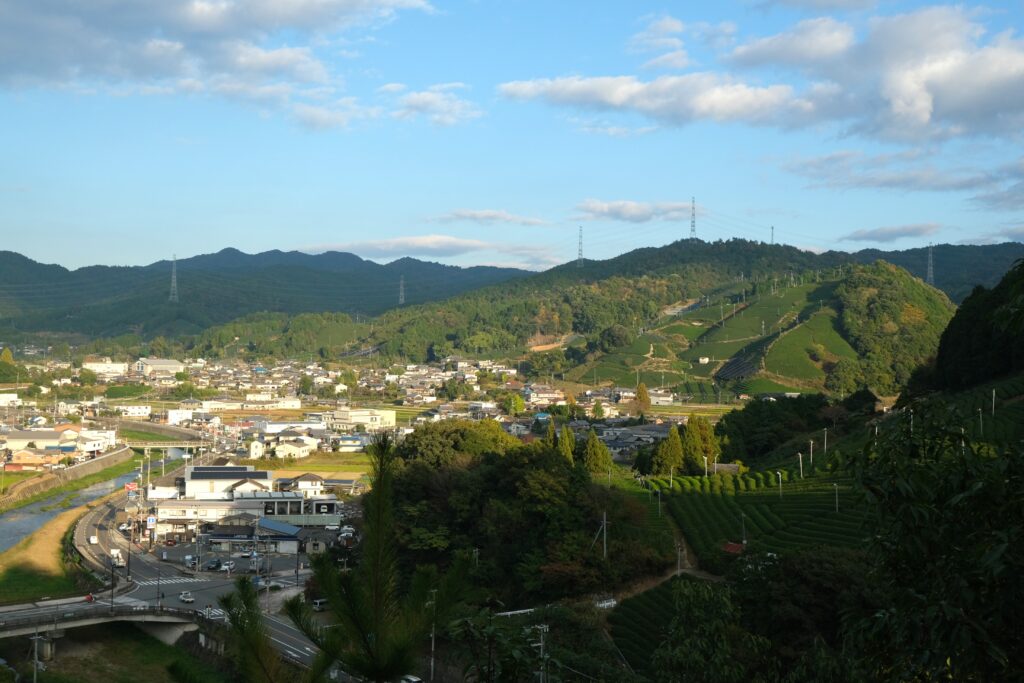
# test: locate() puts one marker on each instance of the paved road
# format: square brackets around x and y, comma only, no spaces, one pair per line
[153,577]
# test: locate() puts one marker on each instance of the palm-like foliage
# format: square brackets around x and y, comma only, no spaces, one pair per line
[255,657]
[378,630]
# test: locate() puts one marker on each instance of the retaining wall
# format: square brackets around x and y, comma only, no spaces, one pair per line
[49,480]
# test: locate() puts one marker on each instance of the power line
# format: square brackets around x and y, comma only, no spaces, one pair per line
[930,279]
[693,218]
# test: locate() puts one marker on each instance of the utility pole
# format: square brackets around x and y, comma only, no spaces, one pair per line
[812,454]
[826,442]
[401,290]
[604,529]
[773,236]
[930,278]
[801,456]
[780,483]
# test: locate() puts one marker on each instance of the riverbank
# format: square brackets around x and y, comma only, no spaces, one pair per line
[36,567]
[112,472]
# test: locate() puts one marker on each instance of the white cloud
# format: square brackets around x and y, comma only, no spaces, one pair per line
[438,104]
[263,51]
[852,169]
[930,74]
[488,216]
[391,88]
[891,234]
[659,34]
[339,114]
[812,40]
[677,59]
[818,5]
[446,246]
[672,99]
[633,212]
[291,62]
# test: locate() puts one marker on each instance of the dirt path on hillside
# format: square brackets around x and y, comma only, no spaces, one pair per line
[689,567]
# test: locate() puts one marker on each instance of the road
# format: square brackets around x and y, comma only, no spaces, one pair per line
[154,577]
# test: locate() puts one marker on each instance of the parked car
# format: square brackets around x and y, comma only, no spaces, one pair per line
[320,604]
[213,565]
[123,526]
[170,542]
[186,597]
[227,565]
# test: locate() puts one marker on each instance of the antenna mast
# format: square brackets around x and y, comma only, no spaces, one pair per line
[579,253]
[173,298]
[401,290]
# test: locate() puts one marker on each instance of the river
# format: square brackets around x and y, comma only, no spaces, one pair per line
[21,522]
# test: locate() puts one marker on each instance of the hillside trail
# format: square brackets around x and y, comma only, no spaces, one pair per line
[689,567]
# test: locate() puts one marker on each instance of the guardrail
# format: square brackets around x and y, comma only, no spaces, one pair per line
[60,616]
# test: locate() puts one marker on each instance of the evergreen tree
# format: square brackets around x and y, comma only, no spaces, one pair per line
[6,356]
[596,455]
[709,443]
[551,438]
[693,447]
[567,443]
[669,455]
[598,409]
[643,399]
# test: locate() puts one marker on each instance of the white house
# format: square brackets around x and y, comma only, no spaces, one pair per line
[147,367]
[257,450]
[347,419]
[9,401]
[293,449]
[177,416]
[106,368]
[134,412]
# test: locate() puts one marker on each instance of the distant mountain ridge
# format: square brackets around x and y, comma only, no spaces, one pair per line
[216,288]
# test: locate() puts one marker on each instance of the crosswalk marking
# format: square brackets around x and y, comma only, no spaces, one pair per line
[169,580]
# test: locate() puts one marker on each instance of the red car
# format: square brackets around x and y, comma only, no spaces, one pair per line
[170,542]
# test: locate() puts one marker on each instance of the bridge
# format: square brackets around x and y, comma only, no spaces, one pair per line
[62,617]
[163,445]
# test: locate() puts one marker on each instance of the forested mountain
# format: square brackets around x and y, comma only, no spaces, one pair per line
[985,339]
[216,288]
[958,268]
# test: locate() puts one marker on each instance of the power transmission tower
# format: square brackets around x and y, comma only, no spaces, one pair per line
[693,218]
[930,279]
[401,291]
[579,254]
[773,236]
[173,298]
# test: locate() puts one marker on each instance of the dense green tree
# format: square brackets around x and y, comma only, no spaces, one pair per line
[513,404]
[87,377]
[693,446]
[643,399]
[669,454]
[551,434]
[444,442]
[596,455]
[567,443]
[947,552]
[305,385]
[598,409]
[845,377]
[614,337]
[251,648]
[705,642]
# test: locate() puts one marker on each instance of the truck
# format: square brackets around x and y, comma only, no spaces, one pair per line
[116,558]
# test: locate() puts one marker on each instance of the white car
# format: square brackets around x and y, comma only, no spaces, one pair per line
[186,597]
[228,566]
[123,526]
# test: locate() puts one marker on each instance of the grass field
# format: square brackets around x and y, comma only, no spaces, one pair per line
[802,352]
[12,478]
[639,624]
[141,435]
[112,653]
[710,511]
[34,567]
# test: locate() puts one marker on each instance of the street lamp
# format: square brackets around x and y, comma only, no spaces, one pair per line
[705,466]
[780,483]
[826,441]
[801,456]
[743,523]
[812,454]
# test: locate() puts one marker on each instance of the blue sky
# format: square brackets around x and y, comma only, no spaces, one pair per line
[487,132]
